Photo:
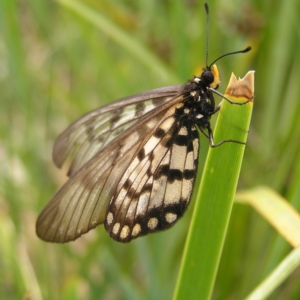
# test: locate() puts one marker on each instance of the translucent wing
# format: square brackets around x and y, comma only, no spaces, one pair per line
[83,139]
[156,188]
[81,204]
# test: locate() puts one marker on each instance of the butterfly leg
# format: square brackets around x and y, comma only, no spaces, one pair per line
[227,99]
[210,137]
[212,142]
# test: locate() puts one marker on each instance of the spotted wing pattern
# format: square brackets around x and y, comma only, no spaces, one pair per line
[95,190]
[156,188]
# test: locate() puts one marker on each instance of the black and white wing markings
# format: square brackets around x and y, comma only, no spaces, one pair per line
[82,203]
[156,188]
[83,139]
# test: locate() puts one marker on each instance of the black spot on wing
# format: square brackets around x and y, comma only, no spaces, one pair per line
[116,115]
[141,154]
[127,184]
[147,188]
[174,174]
[131,193]
[189,174]
[162,170]
[140,108]
[159,133]
[194,134]
[190,146]
[181,140]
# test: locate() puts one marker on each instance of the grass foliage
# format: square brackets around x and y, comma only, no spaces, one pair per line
[58,62]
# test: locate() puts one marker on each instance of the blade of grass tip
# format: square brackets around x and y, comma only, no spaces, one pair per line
[276,210]
[120,36]
[215,195]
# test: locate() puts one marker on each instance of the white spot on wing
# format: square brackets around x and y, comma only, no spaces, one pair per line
[136,229]
[183,131]
[116,228]
[109,218]
[170,217]
[124,232]
[152,223]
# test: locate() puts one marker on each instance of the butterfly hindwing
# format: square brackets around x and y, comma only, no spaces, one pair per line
[156,188]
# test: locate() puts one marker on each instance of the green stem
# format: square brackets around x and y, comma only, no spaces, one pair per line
[214,202]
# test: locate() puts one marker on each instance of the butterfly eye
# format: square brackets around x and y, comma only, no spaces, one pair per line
[207,77]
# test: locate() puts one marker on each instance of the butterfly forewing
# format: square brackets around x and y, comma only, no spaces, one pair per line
[156,188]
[91,133]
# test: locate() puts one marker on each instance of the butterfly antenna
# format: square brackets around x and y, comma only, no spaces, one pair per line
[235,52]
[207,30]
[207,41]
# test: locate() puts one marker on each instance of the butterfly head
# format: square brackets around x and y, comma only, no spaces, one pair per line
[211,77]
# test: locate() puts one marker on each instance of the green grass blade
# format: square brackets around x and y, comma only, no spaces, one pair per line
[214,202]
[120,36]
[282,271]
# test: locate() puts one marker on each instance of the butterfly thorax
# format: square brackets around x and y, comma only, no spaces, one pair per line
[199,105]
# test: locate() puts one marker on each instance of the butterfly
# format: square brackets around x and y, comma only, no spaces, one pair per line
[133,162]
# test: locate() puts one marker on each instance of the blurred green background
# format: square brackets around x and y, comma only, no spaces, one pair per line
[56,64]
